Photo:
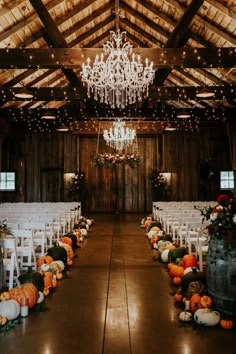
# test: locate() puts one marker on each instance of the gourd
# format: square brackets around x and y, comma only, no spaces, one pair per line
[84,232]
[74,239]
[178,252]
[66,240]
[176,271]
[164,256]
[226,324]
[178,297]
[195,287]
[58,253]
[192,276]
[9,309]
[33,277]
[188,261]
[40,297]
[44,260]
[3,321]
[5,296]
[185,316]
[195,303]
[151,234]
[206,301]
[60,264]
[207,317]
[176,280]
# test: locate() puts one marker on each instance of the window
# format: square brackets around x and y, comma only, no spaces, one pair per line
[7,181]
[227,180]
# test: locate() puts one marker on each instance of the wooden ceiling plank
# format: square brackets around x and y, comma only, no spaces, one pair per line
[56,39]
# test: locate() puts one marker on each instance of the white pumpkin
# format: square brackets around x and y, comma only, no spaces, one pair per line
[164,256]
[189,269]
[89,222]
[152,233]
[9,309]
[84,232]
[185,316]
[40,297]
[207,317]
[60,263]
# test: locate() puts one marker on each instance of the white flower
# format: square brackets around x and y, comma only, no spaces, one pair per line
[213,216]
[234,219]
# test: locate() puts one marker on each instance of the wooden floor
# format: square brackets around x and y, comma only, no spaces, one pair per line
[116,300]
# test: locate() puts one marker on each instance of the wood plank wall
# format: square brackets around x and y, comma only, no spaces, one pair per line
[48,157]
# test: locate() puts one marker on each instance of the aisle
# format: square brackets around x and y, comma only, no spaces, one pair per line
[117,301]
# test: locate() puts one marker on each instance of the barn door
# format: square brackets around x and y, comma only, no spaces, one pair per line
[52,185]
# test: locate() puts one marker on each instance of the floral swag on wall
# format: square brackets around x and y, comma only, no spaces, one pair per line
[108,159]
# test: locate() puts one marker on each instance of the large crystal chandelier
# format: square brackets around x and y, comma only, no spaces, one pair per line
[117,77]
[120,136]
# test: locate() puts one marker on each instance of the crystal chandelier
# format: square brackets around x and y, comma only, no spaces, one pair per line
[117,77]
[120,136]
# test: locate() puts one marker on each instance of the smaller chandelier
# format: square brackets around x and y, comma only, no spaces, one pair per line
[119,79]
[120,136]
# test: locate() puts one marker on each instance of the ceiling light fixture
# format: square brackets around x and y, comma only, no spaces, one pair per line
[170,128]
[23,93]
[48,115]
[62,128]
[120,136]
[205,93]
[183,114]
[117,77]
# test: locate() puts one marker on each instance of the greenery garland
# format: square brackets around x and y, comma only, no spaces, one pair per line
[108,159]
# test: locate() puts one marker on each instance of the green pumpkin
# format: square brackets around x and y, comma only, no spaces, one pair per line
[33,277]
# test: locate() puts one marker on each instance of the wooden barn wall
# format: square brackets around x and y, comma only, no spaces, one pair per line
[45,159]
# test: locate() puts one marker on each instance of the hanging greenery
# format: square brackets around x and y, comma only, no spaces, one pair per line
[108,159]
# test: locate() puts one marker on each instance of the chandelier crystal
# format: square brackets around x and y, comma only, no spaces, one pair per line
[117,77]
[120,136]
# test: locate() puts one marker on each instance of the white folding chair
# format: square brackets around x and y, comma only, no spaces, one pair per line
[10,262]
[25,248]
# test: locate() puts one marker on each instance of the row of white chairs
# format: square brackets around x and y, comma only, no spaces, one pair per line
[18,255]
[31,238]
[186,227]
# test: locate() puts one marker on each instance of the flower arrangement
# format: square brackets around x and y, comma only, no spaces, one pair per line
[222,219]
[108,159]
[4,229]
[76,184]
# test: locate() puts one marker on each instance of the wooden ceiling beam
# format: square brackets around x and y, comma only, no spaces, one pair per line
[161,93]
[178,37]
[55,39]
[71,58]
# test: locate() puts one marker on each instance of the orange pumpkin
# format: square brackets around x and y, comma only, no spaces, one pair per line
[206,301]
[189,261]
[176,271]
[177,280]
[26,291]
[226,324]
[47,278]
[195,302]
[66,240]
[178,297]
[31,293]
[5,296]
[154,239]
[147,223]
[44,259]
[170,265]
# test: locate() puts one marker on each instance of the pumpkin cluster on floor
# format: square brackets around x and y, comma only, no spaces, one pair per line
[34,285]
[188,283]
